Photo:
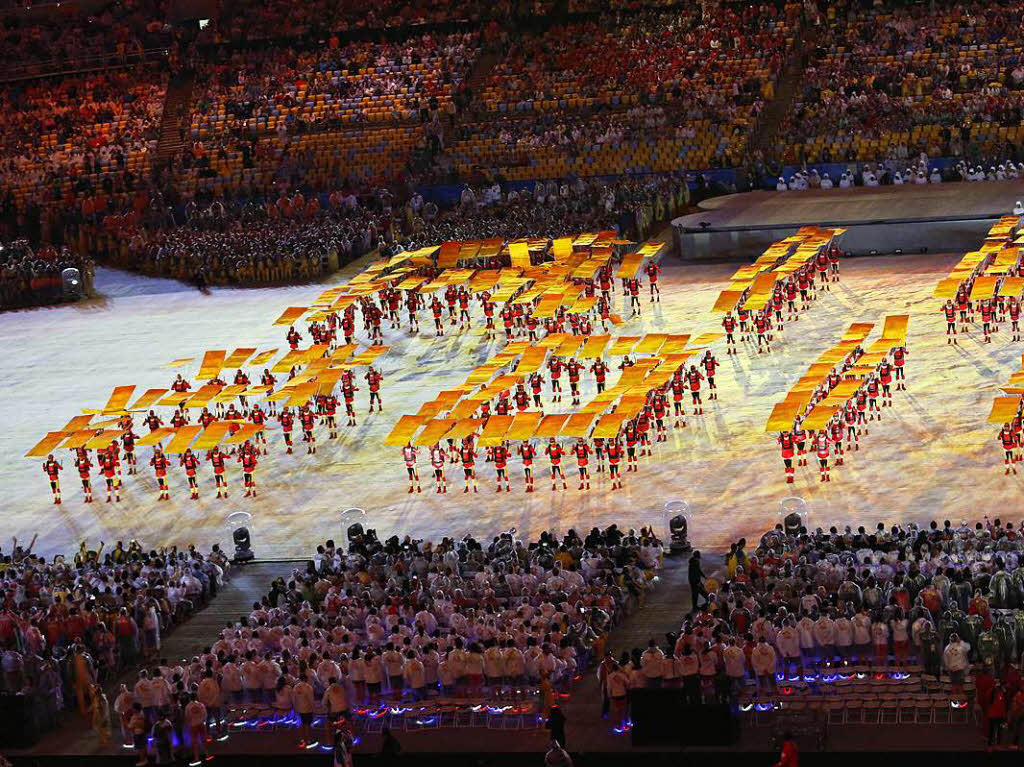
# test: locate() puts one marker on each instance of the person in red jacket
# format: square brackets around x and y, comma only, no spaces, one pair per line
[821,443]
[468,457]
[330,415]
[710,363]
[729,324]
[693,378]
[128,444]
[409,454]
[786,446]
[554,453]
[582,452]
[107,462]
[190,462]
[248,458]
[373,379]
[217,460]
[160,465]
[653,270]
[614,450]
[527,453]
[307,418]
[287,424]
[84,465]
[500,456]
[52,469]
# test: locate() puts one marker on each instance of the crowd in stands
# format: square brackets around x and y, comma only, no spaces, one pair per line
[893,173]
[81,142]
[279,19]
[940,601]
[72,623]
[890,81]
[113,33]
[404,619]
[32,277]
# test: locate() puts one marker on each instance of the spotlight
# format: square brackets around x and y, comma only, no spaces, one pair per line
[243,546]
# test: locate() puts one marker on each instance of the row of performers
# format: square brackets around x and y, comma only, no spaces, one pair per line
[848,423]
[323,411]
[992,311]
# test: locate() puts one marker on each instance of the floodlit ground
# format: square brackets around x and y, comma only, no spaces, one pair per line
[932,456]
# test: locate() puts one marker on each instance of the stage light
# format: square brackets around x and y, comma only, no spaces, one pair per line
[243,545]
[898,251]
[71,283]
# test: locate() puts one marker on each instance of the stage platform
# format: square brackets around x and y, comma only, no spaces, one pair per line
[932,456]
[941,217]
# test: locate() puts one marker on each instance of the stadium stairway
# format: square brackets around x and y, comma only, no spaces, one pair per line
[786,92]
[175,120]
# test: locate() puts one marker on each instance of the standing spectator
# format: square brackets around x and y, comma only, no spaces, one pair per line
[955,661]
[302,699]
[696,577]
[996,713]
[556,724]
[100,710]
[195,721]
[790,756]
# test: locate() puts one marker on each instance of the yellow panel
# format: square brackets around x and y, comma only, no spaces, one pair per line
[594,347]
[608,426]
[118,399]
[203,396]
[782,416]
[465,409]
[568,347]
[947,288]
[532,361]
[896,326]
[651,343]
[434,432]
[578,425]
[674,344]
[705,339]
[727,301]
[630,266]
[77,423]
[155,437]
[289,315]
[983,288]
[179,362]
[1012,286]
[1004,409]
[182,439]
[46,445]
[623,345]
[238,357]
[245,432]
[402,433]
[551,425]
[228,393]
[103,439]
[212,362]
[561,248]
[520,254]
[524,425]
[819,417]
[495,429]
[858,331]
[212,435]
[300,395]
[150,397]
[463,428]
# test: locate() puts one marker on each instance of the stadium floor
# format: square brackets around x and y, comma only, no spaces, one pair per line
[932,456]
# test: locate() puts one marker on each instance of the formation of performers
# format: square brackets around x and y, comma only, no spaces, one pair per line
[634,440]
[961,312]
[850,421]
[761,325]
